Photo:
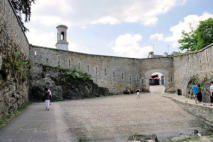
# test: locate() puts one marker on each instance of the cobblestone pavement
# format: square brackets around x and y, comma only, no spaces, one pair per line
[110,119]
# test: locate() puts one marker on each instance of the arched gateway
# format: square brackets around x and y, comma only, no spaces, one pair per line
[163,65]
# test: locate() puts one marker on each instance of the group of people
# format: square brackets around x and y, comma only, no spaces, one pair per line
[196,90]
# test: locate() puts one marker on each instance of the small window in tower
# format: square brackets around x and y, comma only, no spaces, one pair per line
[88,68]
[122,75]
[105,72]
[62,35]
[35,52]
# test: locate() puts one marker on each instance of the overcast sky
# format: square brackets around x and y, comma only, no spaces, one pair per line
[128,28]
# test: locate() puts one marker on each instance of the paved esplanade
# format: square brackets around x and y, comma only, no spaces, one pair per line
[100,119]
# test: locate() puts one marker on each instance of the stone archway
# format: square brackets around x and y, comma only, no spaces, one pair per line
[162,71]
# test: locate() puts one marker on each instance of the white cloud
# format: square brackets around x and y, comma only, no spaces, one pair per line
[106,20]
[127,45]
[157,36]
[62,6]
[77,48]
[81,12]
[47,15]
[40,38]
[190,21]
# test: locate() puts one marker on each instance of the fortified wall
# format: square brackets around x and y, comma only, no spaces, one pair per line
[114,73]
[196,66]
[9,19]
[13,94]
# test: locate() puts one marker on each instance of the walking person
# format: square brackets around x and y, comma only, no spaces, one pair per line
[138,93]
[50,94]
[211,93]
[47,97]
[199,95]
[195,92]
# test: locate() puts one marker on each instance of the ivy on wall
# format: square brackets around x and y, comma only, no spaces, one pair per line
[14,62]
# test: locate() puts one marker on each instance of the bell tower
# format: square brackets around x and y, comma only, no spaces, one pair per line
[62,37]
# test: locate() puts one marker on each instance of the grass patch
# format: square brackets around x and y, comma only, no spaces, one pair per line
[12,116]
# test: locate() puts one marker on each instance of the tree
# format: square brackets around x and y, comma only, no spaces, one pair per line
[205,33]
[199,38]
[23,7]
[188,41]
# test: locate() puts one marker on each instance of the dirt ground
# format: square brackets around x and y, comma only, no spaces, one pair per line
[102,119]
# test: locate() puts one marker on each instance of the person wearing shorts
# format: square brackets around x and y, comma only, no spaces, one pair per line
[47,97]
[211,93]
[195,92]
[138,93]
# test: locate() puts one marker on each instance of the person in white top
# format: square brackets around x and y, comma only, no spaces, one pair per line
[138,93]
[49,91]
[211,94]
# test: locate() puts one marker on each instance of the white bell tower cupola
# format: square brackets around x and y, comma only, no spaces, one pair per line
[62,37]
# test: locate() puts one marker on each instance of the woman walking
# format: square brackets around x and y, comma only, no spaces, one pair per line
[47,97]
[138,93]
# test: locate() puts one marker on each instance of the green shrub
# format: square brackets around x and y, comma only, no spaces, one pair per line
[74,73]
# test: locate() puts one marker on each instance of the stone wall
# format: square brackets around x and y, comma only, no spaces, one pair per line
[115,73]
[12,23]
[13,94]
[196,64]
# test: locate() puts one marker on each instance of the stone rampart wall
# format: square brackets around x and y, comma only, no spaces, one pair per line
[198,64]
[13,28]
[115,73]
[12,93]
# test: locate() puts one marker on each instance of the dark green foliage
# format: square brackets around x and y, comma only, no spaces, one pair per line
[17,64]
[204,33]
[78,75]
[14,62]
[23,7]
[198,39]
[188,42]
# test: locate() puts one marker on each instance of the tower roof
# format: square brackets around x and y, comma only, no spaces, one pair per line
[62,26]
